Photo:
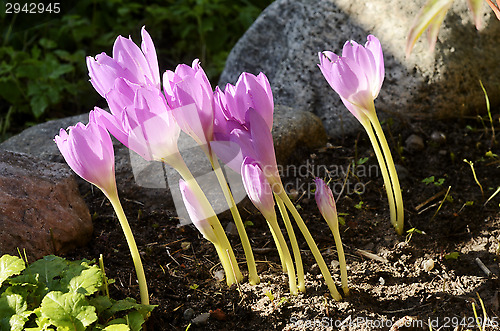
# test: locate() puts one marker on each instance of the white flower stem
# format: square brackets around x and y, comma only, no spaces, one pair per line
[312,246]
[392,171]
[383,168]
[232,270]
[286,258]
[278,246]
[253,277]
[293,241]
[334,227]
[136,258]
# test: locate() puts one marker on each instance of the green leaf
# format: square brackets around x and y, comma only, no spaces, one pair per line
[452,256]
[132,321]
[39,104]
[126,304]
[88,282]
[428,180]
[60,70]
[101,303]
[68,311]
[135,320]
[439,182]
[414,230]
[13,312]
[9,266]
[431,16]
[47,43]
[117,327]
[48,268]
[269,295]
[362,160]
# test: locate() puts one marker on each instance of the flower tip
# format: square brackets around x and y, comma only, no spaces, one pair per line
[63,135]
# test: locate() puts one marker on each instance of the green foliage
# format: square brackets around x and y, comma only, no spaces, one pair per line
[431,179]
[412,231]
[270,295]
[57,293]
[452,256]
[43,72]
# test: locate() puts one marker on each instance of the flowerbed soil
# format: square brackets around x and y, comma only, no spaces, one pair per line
[387,289]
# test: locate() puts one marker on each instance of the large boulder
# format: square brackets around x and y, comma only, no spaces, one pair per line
[286,38]
[41,210]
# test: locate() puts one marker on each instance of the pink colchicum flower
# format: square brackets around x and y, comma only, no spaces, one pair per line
[140,120]
[324,200]
[258,189]
[190,96]
[326,204]
[243,122]
[251,139]
[249,92]
[357,75]
[197,212]
[137,65]
[88,150]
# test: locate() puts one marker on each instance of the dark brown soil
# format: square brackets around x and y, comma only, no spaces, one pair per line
[391,288]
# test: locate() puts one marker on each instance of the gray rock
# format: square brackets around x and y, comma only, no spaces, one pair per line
[438,137]
[231,229]
[293,129]
[201,319]
[414,143]
[155,185]
[41,210]
[284,41]
[188,314]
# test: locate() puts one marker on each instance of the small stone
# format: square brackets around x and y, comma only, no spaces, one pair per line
[201,319]
[369,246]
[294,194]
[335,265]
[381,281]
[188,314]
[218,314]
[414,143]
[219,275]
[402,244]
[231,229]
[438,137]
[428,265]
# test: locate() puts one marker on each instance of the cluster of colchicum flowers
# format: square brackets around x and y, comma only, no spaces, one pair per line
[233,125]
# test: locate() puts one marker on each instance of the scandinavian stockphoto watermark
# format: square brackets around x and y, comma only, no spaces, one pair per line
[296,178]
[352,322]
[435,323]
[346,179]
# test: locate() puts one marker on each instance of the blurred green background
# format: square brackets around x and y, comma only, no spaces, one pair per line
[43,74]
